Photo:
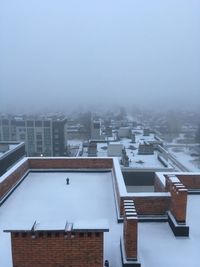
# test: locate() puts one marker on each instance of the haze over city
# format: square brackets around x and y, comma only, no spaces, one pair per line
[62,54]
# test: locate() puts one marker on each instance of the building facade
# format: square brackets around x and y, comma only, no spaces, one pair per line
[43,136]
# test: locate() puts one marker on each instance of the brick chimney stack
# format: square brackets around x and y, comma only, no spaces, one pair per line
[130,231]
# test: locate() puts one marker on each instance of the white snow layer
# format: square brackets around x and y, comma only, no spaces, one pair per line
[45,197]
[48,200]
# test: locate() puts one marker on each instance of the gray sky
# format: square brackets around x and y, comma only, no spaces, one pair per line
[57,53]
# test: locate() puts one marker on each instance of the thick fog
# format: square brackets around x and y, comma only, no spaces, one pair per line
[57,54]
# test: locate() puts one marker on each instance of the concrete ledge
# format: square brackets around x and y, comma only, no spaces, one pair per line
[147,218]
[70,170]
[152,218]
[194,191]
[120,219]
[125,262]
[177,228]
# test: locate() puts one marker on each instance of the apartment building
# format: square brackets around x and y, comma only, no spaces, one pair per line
[43,136]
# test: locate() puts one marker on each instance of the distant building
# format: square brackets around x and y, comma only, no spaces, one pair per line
[108,131]
[96,133]
[133,138]
[92,149]
[115,149]
[125,158]
[145,148]
[146,132]
[76,132]
[124,132]
[10,153]
[43,136]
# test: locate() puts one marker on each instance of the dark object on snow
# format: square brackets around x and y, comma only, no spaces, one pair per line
[67,180]
[106,264]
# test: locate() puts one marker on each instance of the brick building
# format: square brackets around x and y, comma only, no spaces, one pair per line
[47,221]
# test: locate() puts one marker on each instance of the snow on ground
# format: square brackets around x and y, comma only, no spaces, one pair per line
[159,247]
[183,155]
[46,198]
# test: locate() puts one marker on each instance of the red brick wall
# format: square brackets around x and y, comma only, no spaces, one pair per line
[148,205]
[13,178]
[43,163]
[130,231]
[178,205]
[57,251]
[130,236]
[69,163]
[190,181]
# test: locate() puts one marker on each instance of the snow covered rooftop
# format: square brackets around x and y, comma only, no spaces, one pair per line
[44,197]
[136,161]
[187,155]
[141,161]
[88,202]
[159,247]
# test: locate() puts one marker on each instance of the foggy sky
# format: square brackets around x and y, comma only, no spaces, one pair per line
[59,53]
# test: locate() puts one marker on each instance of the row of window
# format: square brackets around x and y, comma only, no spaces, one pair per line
[28,123]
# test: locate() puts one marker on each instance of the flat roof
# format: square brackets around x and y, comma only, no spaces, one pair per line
[45,197]
[136,161]
[141,161]
[159,247]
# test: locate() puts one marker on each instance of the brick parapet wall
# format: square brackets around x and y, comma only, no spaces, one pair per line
[190,181]
[130,231]
[55,249]
[178,206]
[71,163]
[148,205]
[13,178]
